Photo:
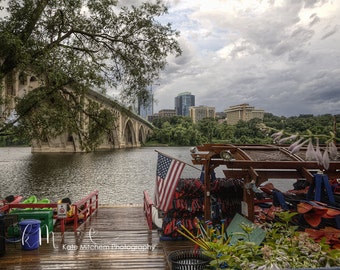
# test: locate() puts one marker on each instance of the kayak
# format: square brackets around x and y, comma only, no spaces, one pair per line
[14,199]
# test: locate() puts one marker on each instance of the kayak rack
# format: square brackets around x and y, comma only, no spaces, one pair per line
[85,207]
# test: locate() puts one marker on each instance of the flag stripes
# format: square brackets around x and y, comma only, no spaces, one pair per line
[168,173]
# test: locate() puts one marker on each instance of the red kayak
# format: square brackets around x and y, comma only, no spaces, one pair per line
[9,200]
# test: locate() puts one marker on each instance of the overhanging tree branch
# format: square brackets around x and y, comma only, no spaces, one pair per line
[69,48]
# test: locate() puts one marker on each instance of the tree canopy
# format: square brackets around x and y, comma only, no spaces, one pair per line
[79,45]
[209,130]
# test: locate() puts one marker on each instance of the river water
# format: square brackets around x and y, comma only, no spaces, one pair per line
[119,175]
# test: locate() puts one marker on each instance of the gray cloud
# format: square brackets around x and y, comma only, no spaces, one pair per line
[331,32]
[282,57]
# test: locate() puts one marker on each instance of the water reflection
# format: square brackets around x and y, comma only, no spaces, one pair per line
[120,175]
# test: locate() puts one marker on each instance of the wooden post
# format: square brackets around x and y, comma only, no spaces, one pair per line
[248,200]
[62,226]
[207,201]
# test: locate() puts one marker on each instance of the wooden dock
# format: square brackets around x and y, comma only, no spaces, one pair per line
[114,238]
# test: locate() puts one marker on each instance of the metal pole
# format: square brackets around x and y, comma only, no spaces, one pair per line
[334,126]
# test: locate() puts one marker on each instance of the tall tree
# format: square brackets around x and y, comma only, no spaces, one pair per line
[79,45]
[208,127]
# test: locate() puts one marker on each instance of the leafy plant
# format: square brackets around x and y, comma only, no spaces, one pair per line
[298,141]
[283,247]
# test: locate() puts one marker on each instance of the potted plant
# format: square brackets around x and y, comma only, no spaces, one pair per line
[283,247]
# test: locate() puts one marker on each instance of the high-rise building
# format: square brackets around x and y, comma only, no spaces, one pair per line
[182,103]
[200,112]
[242,112]
[144,110]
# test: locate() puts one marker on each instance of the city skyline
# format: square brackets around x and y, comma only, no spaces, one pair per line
[187,93]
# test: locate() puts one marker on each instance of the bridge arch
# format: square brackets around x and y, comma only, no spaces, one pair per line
[143,134]
[129,134]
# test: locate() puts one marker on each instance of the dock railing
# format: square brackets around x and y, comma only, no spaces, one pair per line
[86,207]
[83,208]
[148,208]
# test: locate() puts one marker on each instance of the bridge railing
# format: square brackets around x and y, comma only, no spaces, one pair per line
[148,208]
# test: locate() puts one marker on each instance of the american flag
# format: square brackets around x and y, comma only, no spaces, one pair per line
[168,173]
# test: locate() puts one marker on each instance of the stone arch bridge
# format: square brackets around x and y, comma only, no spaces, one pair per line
[130,130]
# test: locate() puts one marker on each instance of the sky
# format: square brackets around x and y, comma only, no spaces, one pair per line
[282,56]
[279,56]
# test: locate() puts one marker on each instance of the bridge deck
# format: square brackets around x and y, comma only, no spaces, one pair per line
[114,238]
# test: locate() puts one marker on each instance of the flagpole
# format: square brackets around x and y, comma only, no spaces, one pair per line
[178,160]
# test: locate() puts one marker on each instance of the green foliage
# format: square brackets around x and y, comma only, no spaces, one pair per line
[208,127]
[100,126]
[286,247]
[209,130]
[319,126]
[176,130]
[46,114]
[283,248]
[13,141]
[74,46]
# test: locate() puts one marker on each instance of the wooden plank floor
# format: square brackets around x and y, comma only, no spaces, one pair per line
[114,238]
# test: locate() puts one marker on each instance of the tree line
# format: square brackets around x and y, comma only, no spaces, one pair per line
[181,131]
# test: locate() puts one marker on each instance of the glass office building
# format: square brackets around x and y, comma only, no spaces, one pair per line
[183,102]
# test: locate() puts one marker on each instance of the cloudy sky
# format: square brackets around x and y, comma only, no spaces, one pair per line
[280,56]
